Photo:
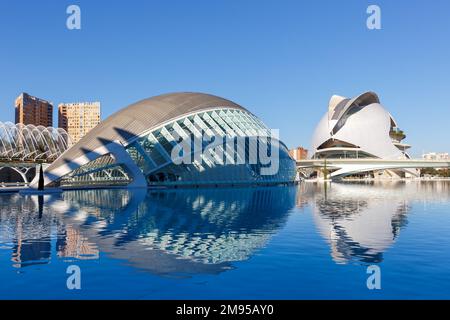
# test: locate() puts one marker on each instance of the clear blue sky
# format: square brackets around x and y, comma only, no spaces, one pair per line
[280,59]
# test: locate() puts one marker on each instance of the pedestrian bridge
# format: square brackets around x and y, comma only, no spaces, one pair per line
[346,167]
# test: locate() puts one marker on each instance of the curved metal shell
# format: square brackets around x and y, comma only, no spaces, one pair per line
[141,138]
[140,117]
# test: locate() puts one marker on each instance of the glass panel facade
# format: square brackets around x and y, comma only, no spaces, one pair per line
[103,171]
[225,162]
[226,152]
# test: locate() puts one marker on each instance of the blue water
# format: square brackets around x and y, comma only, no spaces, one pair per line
[312,241]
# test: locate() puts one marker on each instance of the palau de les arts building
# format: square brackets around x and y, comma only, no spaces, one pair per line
[360,128]
[133,147]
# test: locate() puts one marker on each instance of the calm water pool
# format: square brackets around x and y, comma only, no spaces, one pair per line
[304,242]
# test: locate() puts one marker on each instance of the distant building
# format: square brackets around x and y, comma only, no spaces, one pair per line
[34,111]
[299,153]
[78,118]
[436,156]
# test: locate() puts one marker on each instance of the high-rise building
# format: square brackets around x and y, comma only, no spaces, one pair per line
[78,118]
[32,110]
[299,153]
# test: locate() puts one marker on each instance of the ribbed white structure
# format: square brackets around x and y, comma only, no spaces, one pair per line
[24,143]
[358,127]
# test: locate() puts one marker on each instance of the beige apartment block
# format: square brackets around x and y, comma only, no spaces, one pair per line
[299,153]
[78,118]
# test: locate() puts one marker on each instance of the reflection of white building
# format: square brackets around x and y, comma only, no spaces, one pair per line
[361,221]
[364,236]
[361,226]
[358,128]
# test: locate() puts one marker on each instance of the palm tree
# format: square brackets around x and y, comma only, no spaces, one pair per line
[325,170]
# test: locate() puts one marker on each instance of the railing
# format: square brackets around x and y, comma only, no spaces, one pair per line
[366,159]
[11,161]
[13,184]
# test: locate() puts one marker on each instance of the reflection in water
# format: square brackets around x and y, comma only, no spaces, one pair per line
[205,230]
[362,220]
[29,245]
[122,238]
[163,232]
[27,227]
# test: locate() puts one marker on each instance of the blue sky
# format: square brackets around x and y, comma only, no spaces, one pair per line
[280,59]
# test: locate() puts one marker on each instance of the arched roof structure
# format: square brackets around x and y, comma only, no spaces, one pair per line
[29,143]
[135,146]
[143,116]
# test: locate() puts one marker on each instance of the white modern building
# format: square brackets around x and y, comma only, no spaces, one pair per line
[359,128]
[22,147]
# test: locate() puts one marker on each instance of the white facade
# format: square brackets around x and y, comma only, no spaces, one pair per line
[358,128]
[436,156]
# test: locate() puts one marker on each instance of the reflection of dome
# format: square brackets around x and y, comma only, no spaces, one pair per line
[359,127]
[187,231]
[135,147]
[358,221]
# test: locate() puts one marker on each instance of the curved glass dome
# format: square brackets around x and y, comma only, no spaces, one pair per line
[152,151]
[138,146]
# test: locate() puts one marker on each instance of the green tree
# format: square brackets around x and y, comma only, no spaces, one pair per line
[325,170]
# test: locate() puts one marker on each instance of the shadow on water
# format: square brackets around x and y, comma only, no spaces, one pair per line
[171,232]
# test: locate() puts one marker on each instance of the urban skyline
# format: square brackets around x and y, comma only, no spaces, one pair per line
[310,58]
[76,118]
[33,110]
[90,115]
[246,151]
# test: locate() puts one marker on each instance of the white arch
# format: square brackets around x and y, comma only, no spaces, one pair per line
[24,177]
[28,142]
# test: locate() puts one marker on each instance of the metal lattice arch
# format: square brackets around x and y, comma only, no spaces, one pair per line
[133,146]
[29,143]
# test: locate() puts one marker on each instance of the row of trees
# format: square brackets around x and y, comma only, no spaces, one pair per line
[435,172]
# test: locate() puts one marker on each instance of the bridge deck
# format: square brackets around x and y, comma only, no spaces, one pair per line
[418,163]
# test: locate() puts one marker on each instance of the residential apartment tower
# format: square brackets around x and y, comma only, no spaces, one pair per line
[78,118]
[33,111]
